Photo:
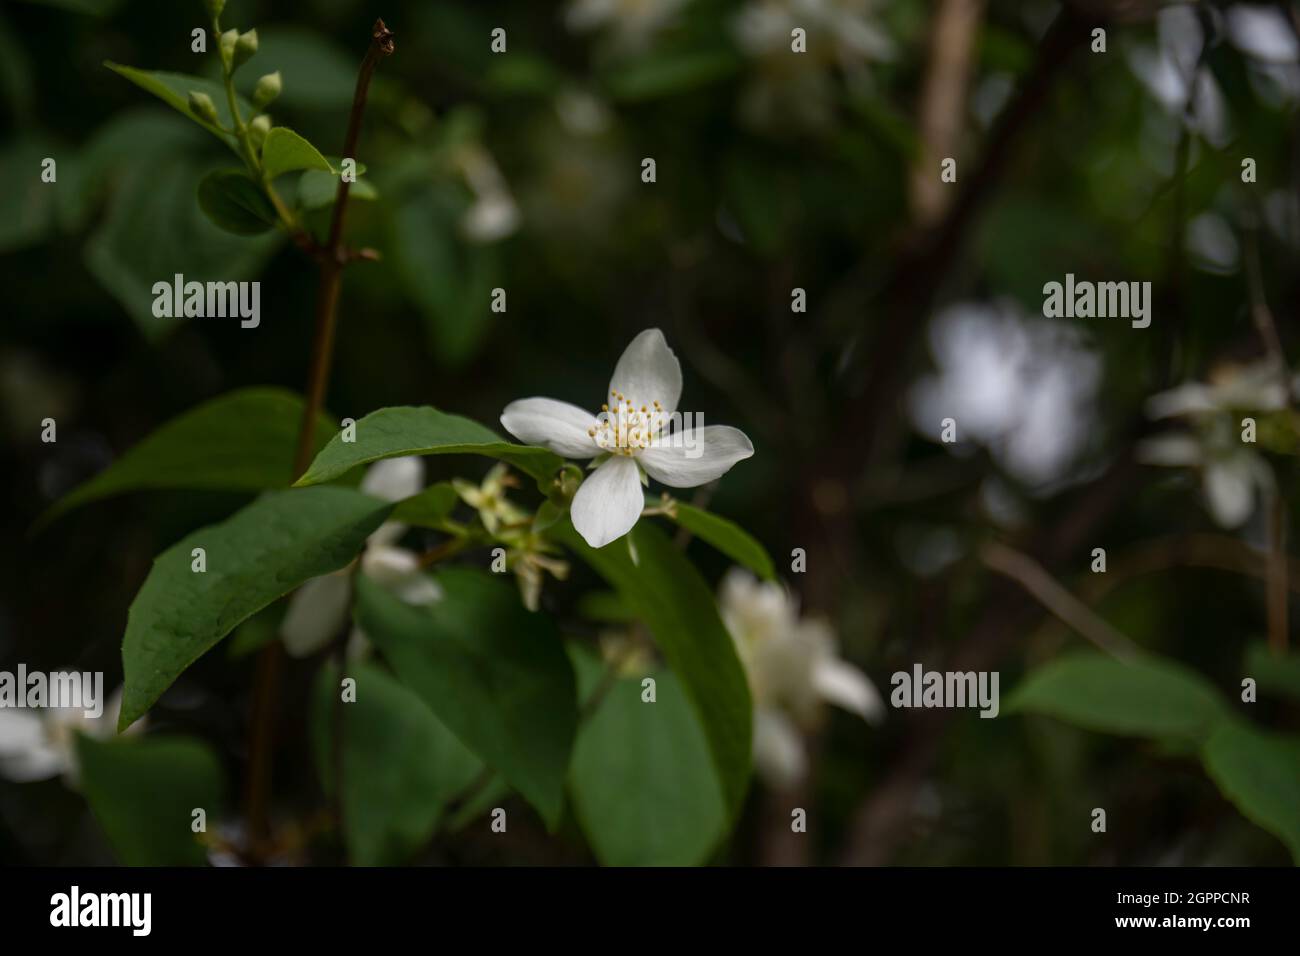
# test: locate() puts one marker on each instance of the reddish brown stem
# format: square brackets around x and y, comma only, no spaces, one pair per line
[332,258]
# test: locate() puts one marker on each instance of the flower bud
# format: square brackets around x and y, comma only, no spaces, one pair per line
[266,90]
[245,47]
[257,130]
[201,105]
[227,45]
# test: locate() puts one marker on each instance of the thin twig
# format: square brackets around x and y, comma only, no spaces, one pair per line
[1057,599]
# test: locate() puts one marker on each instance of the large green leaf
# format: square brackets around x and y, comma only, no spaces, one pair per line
[1260,773]
[285,151]
[144,790]
[412,430]
[257,555]
[494,673]
[235,202]
[1275,673]
[174,89]
[241,441]
[399,765]
[666,591]
[1147,697]
[727,536]
[643,785]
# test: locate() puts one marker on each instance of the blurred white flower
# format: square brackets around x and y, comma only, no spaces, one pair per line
[1169,71]
[1263,34]
[631,24]
[793,668]
[629,439]
[493,215]
[318,610]
[1232,472]
[798,88]
[39,744]
[1025,388]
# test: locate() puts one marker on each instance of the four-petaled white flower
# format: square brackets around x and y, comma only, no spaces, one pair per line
[793,667]
[319,609]
[39,744]
[629,438]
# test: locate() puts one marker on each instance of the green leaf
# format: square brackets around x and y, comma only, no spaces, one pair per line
[153,229]
[284,151]
[412,430]
[1275,673]
[143,791]
[235,202]
[494,673]
[727,536]
[241,441]
[1148,697]
[1260,773]
[430,508]
[174,90]
[642,781]
[399,765]
[257,555]
[666,591]
[318,189]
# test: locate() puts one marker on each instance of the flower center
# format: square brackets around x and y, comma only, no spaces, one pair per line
[625,429]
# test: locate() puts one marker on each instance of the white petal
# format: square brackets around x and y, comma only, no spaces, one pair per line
[40,763]
[399,571]
[779,754]
[845,686]
[317,611]
[608,502]
[20,731]
[559,426]
[696,456]
[393,479]
[1176,450]
[648,372]
[1230,493]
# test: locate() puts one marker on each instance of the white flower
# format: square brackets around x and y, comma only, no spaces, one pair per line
[319,609]
[633,23]
[493,215]
[1170,72]
[1231,471]
[629,438]
[1025,388]
[793,668]
[39,744]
